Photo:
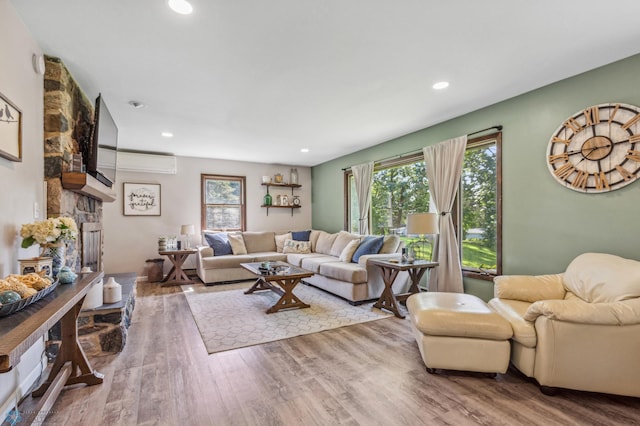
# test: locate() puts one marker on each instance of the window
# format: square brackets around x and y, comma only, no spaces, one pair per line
[400,187]
[223,203]
[478,208]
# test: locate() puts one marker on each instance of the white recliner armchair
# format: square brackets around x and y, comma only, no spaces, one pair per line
[579,329]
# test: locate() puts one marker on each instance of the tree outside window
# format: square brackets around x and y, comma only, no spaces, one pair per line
[480,208]
[223,203]
[400,187]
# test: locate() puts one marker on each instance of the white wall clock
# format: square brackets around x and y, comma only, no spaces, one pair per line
[598,149]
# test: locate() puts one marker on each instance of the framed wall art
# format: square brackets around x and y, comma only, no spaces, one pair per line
[141,199]
[10,130]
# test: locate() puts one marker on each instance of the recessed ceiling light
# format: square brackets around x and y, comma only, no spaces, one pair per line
[441,85]
[182,7]
[304,150]
[137,104]
[167,134]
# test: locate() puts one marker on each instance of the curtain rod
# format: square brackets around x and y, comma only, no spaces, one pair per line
[497,127]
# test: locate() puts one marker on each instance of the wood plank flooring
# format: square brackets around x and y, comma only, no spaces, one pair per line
[366,374]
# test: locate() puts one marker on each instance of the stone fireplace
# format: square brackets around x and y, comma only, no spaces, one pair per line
[68,123]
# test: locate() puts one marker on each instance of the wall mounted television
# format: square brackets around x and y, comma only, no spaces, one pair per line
[102,158]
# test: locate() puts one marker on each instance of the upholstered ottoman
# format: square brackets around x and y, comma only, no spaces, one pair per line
[459,332]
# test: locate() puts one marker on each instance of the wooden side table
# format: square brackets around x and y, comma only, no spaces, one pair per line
[176,275]
[390,270]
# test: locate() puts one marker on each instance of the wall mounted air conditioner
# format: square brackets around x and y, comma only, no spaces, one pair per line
[146,163]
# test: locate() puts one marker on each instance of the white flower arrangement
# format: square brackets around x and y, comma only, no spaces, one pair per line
[51,231]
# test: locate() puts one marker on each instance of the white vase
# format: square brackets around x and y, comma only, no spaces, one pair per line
[94,297]
[112,291]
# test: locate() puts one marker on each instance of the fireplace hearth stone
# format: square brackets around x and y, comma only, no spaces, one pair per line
[103,330]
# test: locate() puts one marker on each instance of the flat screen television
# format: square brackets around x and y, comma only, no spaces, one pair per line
[101,163]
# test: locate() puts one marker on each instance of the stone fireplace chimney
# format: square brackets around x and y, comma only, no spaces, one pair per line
[68,124]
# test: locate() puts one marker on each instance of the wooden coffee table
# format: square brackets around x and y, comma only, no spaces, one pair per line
[286,282]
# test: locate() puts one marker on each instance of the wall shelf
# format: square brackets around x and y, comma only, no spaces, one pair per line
[282,185]
[85,184]
[280,207]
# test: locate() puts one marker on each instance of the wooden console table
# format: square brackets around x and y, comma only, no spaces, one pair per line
[19,331]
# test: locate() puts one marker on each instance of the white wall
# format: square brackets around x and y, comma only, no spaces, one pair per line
[130,240]
[21,182]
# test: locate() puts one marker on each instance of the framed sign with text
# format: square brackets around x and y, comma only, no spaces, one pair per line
[141,199]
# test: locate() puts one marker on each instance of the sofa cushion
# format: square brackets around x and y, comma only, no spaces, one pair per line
[228,261]
[313,263]
[237,244]
[341,242]
[296,258]
[524,332]
[369,245]
[348,272]
[347,252]
[325,241]
[268,256]
[259,241]
[313,238]
[293,246]
[219,242]
[391,244]
[300,235]
[598,278]
[280,239]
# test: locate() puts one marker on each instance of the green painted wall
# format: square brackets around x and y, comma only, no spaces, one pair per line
[544,224]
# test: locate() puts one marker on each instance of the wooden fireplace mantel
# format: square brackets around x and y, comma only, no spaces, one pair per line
[84,183]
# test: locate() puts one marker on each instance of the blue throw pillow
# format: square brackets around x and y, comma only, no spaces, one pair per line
[369,245]
[300,235]
[219,243]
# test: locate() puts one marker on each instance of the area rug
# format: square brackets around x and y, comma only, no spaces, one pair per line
[229,319]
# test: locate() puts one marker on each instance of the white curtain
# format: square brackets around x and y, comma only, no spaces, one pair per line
[363,177]
[444,169]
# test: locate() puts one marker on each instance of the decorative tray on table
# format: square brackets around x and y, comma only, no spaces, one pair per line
[11,308]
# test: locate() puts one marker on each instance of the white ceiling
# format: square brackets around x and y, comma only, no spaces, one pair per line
[258,80]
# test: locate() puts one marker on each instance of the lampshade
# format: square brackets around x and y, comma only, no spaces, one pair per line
[422,224]
[187,230]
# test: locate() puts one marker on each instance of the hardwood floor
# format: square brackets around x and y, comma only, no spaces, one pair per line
[366,374]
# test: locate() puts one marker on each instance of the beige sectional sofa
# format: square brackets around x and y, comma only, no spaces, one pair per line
[325,254]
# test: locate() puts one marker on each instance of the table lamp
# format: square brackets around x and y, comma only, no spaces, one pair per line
[422,224]
[187,230]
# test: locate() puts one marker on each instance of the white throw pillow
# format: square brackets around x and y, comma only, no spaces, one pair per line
[237,244]
[347,252]
[293,246]
[601,278]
